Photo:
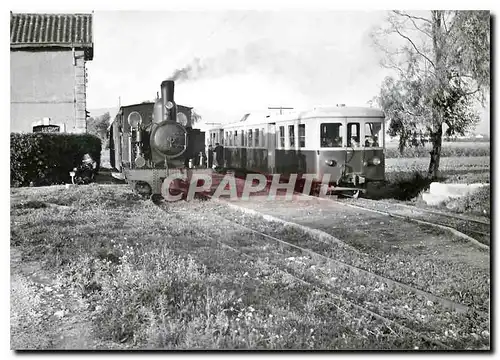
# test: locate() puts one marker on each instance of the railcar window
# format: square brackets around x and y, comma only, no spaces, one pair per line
[373,131]
[226,138]
[353,135]
[282,136]
[236,138]
[257,144]
[250,138]
[263,137]
[331,135]
[302,135]
[291,135]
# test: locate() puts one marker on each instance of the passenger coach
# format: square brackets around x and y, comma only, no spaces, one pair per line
[345,142]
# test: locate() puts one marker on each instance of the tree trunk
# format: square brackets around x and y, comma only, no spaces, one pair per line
[436,139]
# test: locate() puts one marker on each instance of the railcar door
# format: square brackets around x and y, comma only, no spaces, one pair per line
[271,148]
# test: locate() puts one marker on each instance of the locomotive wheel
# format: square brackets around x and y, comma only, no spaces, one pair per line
[156,198]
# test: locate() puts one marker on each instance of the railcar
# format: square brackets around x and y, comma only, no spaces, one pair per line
[150,141]
[345,142]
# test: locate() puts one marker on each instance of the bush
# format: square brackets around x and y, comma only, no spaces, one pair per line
[47,159]
[477,203]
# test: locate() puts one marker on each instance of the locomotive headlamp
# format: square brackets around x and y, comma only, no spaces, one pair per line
[169,105]
[375,161]
[134,119]
[331,162]
[140,162]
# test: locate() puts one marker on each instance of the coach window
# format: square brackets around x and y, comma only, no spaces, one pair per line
[250,138]
[302,135]
[291,135]
[262,134]
[331,135]
[282,136]
[373,131]
[257,144]
[353,134]
[243,138]
[235,137]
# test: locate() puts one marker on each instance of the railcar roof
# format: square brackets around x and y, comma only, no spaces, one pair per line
[323,111]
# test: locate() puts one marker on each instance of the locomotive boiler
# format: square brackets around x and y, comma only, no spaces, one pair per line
[152,140]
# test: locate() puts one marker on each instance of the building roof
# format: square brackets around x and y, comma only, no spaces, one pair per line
[52,30]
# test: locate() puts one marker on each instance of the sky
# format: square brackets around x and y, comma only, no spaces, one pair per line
[246,60]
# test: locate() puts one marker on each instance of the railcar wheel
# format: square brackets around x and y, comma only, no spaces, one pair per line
[156,198]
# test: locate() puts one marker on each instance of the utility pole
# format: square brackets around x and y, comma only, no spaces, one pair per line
[280,109]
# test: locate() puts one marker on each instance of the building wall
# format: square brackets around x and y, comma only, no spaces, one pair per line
[47,84]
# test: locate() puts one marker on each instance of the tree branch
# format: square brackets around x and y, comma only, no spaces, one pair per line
[414,46]
[412,18]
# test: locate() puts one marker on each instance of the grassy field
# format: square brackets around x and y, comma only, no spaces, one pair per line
[446,164]
[122,274]
[449,149]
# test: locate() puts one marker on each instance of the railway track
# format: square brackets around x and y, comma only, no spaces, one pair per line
[340,302]
[446,303]
[477,231]
[283,248]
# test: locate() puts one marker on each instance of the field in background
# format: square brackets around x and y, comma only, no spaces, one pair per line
[446,164]
[449,149]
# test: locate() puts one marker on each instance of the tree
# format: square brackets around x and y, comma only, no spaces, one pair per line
[99,126]
[442,61]
[195,117]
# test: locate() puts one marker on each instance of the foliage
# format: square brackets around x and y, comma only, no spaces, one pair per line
[195,117]
[46,159]
[442,64]
[477,203]
[98,126]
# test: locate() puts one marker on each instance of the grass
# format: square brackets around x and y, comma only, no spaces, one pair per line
[449,149]
[153,280]
[476,203]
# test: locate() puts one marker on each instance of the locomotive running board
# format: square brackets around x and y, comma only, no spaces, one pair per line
[118,176]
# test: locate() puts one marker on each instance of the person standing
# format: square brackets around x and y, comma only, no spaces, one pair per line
[219,155]
[210,156]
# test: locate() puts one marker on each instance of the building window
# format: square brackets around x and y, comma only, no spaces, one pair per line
[353,135]
[331,135]
[302,135]
[250,138]
[282,137]
[291,135]
[373,132]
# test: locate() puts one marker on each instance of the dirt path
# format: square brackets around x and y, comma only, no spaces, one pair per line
[45,314]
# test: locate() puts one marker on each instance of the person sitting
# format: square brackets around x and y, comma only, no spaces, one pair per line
[354,142]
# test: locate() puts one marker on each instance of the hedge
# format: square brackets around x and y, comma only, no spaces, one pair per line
[47,159]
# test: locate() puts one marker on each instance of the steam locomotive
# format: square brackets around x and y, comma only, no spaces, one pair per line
[150,141]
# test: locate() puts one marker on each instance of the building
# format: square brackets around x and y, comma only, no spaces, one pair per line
[48,78]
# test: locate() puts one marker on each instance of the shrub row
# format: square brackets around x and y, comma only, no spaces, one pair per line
[446,151]
[47,159]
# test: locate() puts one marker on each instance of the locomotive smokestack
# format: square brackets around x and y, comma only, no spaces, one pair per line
[167,95]
[167,90]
